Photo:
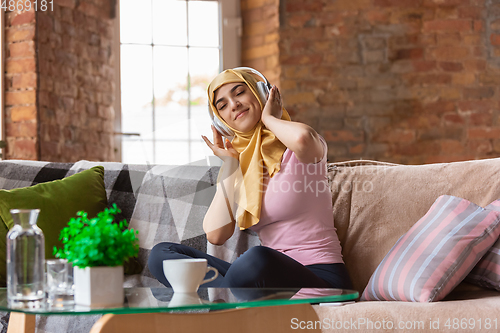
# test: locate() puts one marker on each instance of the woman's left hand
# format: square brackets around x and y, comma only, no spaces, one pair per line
[274,105]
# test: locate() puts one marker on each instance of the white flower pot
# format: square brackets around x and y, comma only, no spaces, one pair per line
[98,286]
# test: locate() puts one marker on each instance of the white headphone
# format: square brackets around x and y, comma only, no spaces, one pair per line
[263,91]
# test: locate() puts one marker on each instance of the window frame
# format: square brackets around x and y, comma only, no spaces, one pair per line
[230,56]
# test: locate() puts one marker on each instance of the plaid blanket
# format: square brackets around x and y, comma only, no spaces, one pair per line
[163,202]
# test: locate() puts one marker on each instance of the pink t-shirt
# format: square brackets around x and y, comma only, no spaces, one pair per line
[297,217]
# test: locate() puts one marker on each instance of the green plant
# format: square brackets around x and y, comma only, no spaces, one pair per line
[98,241]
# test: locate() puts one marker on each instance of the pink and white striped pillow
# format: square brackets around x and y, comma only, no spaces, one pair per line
[436,254]
[487,271]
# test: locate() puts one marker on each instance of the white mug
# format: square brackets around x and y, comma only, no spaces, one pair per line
[186,275]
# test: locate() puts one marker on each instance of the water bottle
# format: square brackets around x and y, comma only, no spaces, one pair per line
[25,260]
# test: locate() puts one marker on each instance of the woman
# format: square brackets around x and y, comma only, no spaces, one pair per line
[272,181]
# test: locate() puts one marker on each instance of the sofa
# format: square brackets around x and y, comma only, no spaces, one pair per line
[374,205]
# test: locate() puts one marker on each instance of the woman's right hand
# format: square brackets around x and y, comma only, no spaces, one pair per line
[218,146]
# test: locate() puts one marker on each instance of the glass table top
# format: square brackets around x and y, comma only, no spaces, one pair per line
[142,300]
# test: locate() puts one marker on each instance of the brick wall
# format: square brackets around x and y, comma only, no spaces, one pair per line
[20,86]
[60,89]
[407,81]
[260,38]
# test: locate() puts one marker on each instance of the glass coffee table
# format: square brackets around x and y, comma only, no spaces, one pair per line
[154,309]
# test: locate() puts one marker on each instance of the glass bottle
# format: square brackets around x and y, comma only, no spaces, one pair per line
[25,260]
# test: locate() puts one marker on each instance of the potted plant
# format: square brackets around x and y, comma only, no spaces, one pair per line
[98,248]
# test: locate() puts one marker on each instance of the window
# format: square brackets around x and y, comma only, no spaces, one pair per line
[169,52]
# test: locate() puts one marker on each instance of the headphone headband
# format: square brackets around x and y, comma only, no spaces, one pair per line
[254,71]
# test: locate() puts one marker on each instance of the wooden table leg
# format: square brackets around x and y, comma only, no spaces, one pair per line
[21,323]
[273,319]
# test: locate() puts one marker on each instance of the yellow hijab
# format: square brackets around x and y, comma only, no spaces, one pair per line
[259,144]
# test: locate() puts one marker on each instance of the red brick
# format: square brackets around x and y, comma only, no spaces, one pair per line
[479,93]
[450,53]
[417,148]
[464,79]
[451,66]
[460,25]
[90,9]
[428,39]
[376,16]
[24,18]
[24,80]
[397,3]
[49,151]
[481,118]
[344,136]
[453,119]
[479,3]
[17,34]
[357,149]
[495,25]
[474,39]
[451,146]
[440,107]
[453,39]
[480,146]
[25,149]
[423,65]
[68,103]
[495,39]
[348,5]
[302,59]
[298,20]
[416,53]
[483,133]
[246,43]
[66,3]
[475,65]
[21,130]
[22,97]
[68,133]
[304,6]
[299,46]
[444,3]
[470,12]
[478,26]
[451,158]
[477,105]
[23,113]
[496,145]
[425,79]
[396,136]
[479,51]
[22,65]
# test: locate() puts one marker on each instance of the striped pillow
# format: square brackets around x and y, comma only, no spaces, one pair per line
[487,271]
[436,254]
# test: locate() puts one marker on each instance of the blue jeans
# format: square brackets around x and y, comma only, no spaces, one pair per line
[258,267]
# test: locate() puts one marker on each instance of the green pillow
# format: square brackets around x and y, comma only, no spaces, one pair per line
[58,201]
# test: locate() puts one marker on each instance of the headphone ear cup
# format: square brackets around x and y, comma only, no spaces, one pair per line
[221,128]
[263,91]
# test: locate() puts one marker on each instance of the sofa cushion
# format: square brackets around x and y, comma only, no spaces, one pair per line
[58,201]
[436,254]
[467,311]
[487,271]
[375,203]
